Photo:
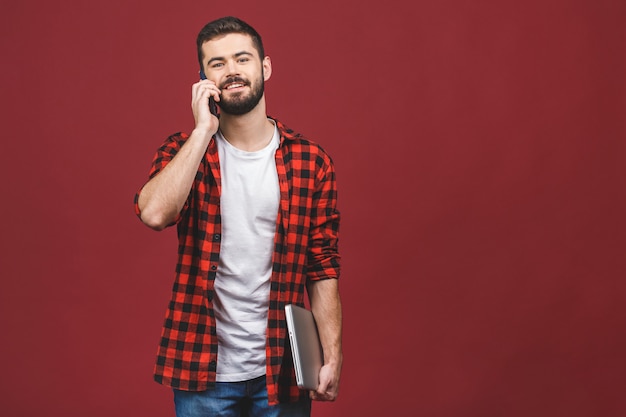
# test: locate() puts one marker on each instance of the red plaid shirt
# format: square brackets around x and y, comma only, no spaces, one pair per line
[305,248]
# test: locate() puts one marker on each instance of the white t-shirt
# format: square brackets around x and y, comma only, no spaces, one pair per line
[249,203]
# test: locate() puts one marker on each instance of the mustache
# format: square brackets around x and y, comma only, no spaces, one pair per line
[232,80]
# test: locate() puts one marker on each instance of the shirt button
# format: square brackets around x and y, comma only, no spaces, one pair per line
[213,267]
[217,237]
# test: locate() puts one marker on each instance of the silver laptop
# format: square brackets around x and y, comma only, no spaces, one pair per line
[305,346]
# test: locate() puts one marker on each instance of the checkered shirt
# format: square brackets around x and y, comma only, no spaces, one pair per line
[305,249]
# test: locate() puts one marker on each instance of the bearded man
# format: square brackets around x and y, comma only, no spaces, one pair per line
[255,205]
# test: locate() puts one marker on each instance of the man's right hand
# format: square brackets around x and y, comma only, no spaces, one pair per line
[200,94]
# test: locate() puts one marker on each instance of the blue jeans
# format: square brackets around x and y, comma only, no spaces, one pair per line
[236,399]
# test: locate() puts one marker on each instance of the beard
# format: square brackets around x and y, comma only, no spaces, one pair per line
[241,104]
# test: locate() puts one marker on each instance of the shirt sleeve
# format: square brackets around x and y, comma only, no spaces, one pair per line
[323,255]
[166,152]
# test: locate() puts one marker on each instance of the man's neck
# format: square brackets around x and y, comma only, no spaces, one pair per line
[249,132]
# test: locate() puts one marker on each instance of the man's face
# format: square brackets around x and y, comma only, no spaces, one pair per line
[233,63]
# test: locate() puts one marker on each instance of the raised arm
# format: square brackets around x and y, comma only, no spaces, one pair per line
[163,197]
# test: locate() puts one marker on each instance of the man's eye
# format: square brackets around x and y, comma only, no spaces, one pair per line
[244,59]
[217,65]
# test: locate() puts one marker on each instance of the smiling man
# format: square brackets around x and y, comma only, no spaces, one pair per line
[255,205]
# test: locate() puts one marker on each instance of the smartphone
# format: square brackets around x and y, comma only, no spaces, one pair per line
[212,105]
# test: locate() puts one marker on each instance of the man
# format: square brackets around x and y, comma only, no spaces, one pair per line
[255,208]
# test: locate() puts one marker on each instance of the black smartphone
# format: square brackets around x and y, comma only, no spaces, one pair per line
[212,105]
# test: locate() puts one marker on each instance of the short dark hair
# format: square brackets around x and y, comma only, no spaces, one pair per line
[224,26]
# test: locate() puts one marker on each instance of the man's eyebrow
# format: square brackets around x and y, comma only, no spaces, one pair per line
[221,58]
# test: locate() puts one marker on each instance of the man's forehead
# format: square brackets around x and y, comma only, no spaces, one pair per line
[228,44]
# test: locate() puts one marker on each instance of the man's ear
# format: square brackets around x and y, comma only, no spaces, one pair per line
[267,68]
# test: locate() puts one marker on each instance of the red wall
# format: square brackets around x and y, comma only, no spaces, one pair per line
[480,151]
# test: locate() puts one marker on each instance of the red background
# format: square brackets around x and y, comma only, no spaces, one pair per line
[480,152]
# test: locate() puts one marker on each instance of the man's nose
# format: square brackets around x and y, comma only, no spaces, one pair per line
[231,66]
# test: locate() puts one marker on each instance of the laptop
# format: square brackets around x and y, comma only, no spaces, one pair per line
[306,349]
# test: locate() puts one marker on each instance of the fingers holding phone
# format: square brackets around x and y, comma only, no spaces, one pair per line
[212,105]
[204,94]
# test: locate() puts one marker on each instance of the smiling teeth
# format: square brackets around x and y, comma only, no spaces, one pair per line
[234,86]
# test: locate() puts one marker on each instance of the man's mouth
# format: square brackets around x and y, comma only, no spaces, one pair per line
[234,85]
